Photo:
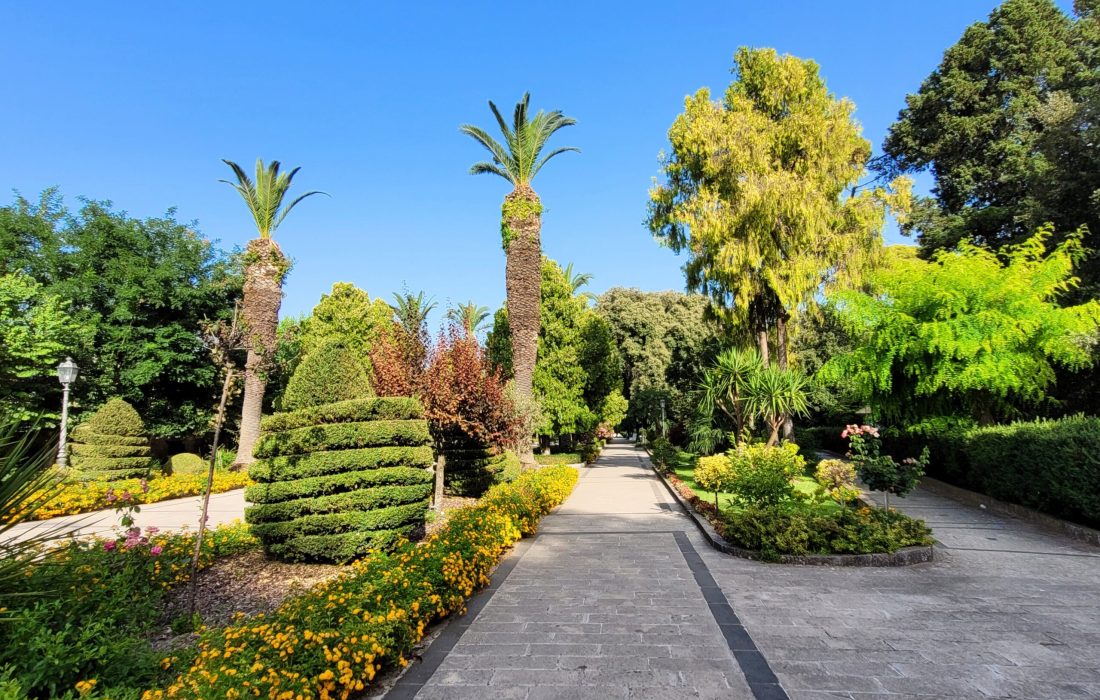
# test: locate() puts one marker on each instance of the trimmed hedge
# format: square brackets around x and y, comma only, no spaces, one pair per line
[1049,465]
[187,463]
[357,479]
[471,469]
[343,436]
[345,631]
[111,445]
[327,375]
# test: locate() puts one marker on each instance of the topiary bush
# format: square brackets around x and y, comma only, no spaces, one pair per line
[111,445]
[471,467]
[762,474]
[186,463]
[337,480]
[329,374]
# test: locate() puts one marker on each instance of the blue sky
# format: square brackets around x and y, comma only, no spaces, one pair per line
[138,102]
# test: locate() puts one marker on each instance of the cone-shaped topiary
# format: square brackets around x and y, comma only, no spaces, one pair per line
[186,463]
[339,479]
[111,444]
[327,375]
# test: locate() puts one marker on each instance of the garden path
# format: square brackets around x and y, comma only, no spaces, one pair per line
[618,597]
[174,514]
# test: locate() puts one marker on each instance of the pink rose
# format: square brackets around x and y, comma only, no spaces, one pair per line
[155,551]
[109,545]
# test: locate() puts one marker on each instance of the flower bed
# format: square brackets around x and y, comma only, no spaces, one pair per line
[88,632]
[331,641]
[84,497]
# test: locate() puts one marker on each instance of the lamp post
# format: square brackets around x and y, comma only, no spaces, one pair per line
[66,374]
[664,421]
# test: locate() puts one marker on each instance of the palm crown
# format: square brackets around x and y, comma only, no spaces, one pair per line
[518,160]
[469,316]
[264,197]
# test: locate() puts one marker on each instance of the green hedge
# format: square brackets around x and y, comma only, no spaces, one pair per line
[337,461]
[357,479]
[358,410]
[111,445]
[342,436]
[471,470]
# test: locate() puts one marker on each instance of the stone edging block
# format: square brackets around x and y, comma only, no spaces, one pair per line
[902,557]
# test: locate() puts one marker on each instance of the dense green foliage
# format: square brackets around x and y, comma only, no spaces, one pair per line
[111,445]
[336,488]
[965,329]
[329,374]
[470,471]
[187,463]
[138,293]
[794,529]
[348,315]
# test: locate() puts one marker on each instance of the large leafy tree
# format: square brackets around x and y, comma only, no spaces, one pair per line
[518,160]
[264,272]
[762,190]
[1007,126]
[346,314]
[138,294]
[966,329]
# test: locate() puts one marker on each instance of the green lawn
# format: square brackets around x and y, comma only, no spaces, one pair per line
[685,466]
[559,458]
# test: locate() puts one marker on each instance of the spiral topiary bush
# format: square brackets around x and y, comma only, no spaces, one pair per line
[111,445]
[472,467]
[337,480]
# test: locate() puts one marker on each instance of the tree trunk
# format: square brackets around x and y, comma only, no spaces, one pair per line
[265,267]
[762,344]
[523,284]
[440,472]
[781,359]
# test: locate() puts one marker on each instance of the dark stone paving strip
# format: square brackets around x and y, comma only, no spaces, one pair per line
[758,674]
[414,679]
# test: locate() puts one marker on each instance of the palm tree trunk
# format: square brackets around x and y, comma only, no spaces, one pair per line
[523,283]
[762,343]
[265,267]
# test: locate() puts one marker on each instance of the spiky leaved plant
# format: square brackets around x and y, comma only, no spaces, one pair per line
[265,269]
[470,317]
[518,159]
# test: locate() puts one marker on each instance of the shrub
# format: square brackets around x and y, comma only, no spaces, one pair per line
[881,472]
[838,478]
[762,474]
[186,463]
[343,632]
[329,374]
[714,473]
[335,481]
[794,528]
[662,451]
[590,450]
[111,445]
[471,468]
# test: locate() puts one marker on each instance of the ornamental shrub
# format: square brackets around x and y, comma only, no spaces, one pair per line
[662,451]
[329,374]
[337,480]
[186,463]
[714,473]
[471,467]
[838,478]
[111,445]
[762,474]
[795,528]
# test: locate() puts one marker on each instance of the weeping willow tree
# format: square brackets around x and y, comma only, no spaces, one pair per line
[762,191]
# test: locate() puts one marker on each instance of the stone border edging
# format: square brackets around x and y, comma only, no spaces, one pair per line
[903,557]
[1077,532]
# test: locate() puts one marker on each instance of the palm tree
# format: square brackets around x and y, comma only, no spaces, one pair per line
[581,279]
[518,160]
[469,316]
[411,312]
[723,387]
[264,271]
[776,394]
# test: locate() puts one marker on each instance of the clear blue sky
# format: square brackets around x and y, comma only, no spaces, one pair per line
[138,102]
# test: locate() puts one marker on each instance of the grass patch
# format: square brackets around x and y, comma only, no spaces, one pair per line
[559,458]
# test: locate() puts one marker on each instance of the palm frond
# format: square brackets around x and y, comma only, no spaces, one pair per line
[264,196]
[523,142]
[555,152]
[485,167]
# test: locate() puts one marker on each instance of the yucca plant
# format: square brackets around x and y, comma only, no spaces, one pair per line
[264,272]
[26,483]
[775,394]
[518,159]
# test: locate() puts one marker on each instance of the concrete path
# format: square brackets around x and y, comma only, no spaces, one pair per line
[174,514]
[618,597]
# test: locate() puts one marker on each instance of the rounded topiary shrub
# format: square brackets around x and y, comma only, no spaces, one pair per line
[327,375]
[186,463]
[111,444]
[336,480]
[472,467]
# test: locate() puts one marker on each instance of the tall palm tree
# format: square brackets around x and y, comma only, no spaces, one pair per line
[411,311]
[264,271]
[518,159]
[469,316]
[576,281]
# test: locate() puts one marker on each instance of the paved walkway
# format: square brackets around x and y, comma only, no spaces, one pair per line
[618,597]
[174,514]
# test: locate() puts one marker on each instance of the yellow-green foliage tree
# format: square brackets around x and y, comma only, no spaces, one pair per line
[967,329]
[761,190]
[349,315]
